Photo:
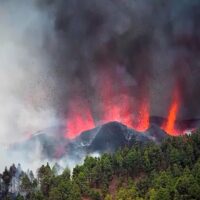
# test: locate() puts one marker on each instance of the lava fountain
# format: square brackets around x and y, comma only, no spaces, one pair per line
[116,104]
[143,117]
[79,118]
[169,125]
[116,101]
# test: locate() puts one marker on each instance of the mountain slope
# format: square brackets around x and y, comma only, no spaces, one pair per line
[106,138]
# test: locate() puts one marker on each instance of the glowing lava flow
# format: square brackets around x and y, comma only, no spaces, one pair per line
[143,117]
[116,103]
[118,111]
[79,119]
[169,126]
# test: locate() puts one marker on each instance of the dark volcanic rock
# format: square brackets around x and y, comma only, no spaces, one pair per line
[110,137]
[114,135]
[106,138]
[156,134]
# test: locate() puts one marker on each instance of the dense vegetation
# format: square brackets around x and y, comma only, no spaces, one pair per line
[154,172]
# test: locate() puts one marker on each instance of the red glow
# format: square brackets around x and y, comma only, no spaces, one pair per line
[169,126]
[116,103]
[118,112]
[143,117]
[79,118]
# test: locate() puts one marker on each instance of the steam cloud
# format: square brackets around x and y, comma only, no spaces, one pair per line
[53,50]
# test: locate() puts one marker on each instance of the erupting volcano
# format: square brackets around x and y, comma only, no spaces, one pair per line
[116,103]
[120,61]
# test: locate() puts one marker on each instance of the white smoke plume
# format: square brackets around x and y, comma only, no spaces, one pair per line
[24,91]
[26,85]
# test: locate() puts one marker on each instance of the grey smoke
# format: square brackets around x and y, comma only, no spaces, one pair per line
[52,50]
[156,42]
[26,85]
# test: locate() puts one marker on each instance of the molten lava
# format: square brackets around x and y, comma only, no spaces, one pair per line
[79,118]
[118,112]
[143,117]
[114,101]
[169,126]
[116,104]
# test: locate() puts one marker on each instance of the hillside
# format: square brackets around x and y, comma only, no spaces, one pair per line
[170,170]
[103,139]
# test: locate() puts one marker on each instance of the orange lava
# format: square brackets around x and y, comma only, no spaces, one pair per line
[169,126]
[79,118]
[143,117]
[118,112]
[116,103]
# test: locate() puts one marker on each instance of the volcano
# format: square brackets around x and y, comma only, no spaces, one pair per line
[115,102]
[105,138]
[114,135]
